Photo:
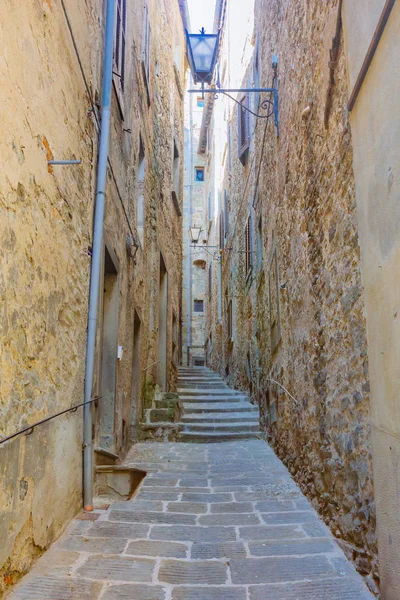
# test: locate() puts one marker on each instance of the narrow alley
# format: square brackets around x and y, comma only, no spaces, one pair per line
[212,521]
[199,300]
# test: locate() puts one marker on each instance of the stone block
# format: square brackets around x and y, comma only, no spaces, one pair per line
[262,532]
[287,547]
[328,589]
[232,507]
[193,534]
[194,497]
[117,568]
[233,519]
[209,593]
[161,415]
[187,507]
[125,530]
[157,548]
[101,545]
[152,517]
[218,550]
[133,592]
[177,572]
[288,518]
[52,588]
[279,569]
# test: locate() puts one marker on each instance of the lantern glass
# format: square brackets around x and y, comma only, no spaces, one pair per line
[202,54]
[194,233]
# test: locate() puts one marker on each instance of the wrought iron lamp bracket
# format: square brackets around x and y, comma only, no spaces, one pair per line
[271,104]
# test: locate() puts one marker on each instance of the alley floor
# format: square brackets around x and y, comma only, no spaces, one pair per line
[221,521]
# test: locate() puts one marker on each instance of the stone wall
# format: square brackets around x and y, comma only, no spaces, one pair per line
[45,243]
[298,314]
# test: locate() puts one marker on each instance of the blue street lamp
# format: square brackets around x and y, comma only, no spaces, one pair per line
[202,53]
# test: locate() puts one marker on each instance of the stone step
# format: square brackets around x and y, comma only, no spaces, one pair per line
[208,392]
[202,386]
[215,437]
[230,417]
[218,407]
[212,399]
[221,427]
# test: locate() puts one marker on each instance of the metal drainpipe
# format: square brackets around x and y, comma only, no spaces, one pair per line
[189,250]
[97,252]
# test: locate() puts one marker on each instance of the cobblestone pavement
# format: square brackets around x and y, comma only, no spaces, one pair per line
[209,522]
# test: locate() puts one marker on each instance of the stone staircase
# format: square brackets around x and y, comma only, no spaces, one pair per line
[213,412]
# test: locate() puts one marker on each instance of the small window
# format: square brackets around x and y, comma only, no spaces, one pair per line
[199,173]
[140,194]
[120,52]
[199,306]
[243,129]
[248,234]
[259,245]
[198,362]
[146,45]
[176,180]
[230,321]
[201,102]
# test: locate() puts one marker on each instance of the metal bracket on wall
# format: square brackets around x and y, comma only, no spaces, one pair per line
[64,162]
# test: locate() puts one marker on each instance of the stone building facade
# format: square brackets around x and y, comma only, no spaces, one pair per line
[194,272]
[51,79]
[292,309]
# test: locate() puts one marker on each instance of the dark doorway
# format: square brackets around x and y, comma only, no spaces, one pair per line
[109,353]
[162,325]
[136,373]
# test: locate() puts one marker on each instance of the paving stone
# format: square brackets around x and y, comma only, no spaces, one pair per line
[287,518]
[158,494]
[232,507]
[209,593]
[100,545]
[134,592]
[281,569]
[327,589]
[197,482]
[229,519]
[78,527]
[157,548]
[194,508]
[52,588]
[286,547]
[193,534]
[275,506]
[139,505]
[118,530]
[159,482]
[55,562]
[317,529]
[194,497]
[152,517]
[177,572]
[223,550]
[118,568]
[271,533]
[258,496]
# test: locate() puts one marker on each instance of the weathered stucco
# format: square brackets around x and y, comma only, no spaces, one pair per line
[298,316]
[375,123]
[45,241]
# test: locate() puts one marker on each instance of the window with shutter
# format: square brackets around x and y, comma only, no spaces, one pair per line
[226,213]
[248,234]
[221,231]
[120,52]
[146,45]
[243,129]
